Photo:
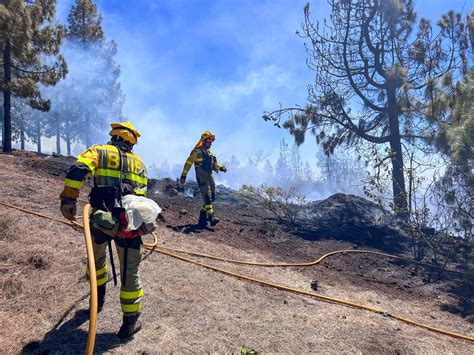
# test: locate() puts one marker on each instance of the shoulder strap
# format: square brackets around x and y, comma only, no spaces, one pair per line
[120,176]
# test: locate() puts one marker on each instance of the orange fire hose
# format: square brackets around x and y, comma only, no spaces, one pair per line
[167,251]
[93,284]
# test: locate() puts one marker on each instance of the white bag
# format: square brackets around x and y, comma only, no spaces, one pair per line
[138,210]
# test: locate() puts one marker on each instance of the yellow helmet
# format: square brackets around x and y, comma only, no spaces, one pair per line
[126,131]
[208,136]
[204,137]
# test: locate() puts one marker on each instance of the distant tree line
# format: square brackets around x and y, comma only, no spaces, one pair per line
[57,81]
[328,175]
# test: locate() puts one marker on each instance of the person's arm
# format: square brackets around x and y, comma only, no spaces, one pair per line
[189,163]
[142,181]
[86,164]
[218,166]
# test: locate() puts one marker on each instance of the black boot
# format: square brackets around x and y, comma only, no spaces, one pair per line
[100,297]
[130,326]
[202,219]
[213,220]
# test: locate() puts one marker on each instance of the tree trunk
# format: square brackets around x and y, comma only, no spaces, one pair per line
[410,185]
[22,134]
[38,136]
[58,135]
[398,177]
[58,141]
[7,119]
[68,140]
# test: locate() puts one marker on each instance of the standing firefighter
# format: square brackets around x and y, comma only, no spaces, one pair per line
[117,172]
[205,163]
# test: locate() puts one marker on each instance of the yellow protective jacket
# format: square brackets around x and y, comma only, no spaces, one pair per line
[201,158]
[103,162]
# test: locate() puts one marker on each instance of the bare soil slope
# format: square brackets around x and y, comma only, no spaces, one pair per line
[189,309]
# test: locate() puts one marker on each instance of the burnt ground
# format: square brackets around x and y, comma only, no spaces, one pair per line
[189,309]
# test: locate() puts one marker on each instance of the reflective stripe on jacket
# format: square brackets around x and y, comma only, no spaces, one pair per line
[201,158]
[103,162]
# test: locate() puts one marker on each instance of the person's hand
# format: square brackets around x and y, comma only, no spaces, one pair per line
[68,208]
[223,169]
[147,228]
[182,180]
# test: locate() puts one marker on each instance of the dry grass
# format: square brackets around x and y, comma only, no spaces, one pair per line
[188,309]
[7,227]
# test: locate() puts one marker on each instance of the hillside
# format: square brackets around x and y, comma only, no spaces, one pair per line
[190,309]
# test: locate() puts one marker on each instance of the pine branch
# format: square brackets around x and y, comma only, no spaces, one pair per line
[33,72]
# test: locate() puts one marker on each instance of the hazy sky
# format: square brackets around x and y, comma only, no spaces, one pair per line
[194,65]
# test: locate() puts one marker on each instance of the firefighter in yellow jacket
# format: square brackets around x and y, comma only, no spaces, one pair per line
[205,163]
[117,172]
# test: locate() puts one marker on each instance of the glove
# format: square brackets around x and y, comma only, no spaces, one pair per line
[68,208]
[147,228]
[182,180]
[223,169]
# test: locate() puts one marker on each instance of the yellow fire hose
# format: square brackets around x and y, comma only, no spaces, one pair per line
[316,295]
[309,263]
[167,251]
[61,220]
[77,225]
[92,282]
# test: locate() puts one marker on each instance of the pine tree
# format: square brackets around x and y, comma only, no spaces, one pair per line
[456,136]
[91,95]
[374,79]
[296,163]
[85,23]
[455,140]
[20,113]
[308,174]
[38,129]
[94,75]
[283,166]
[27,33]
